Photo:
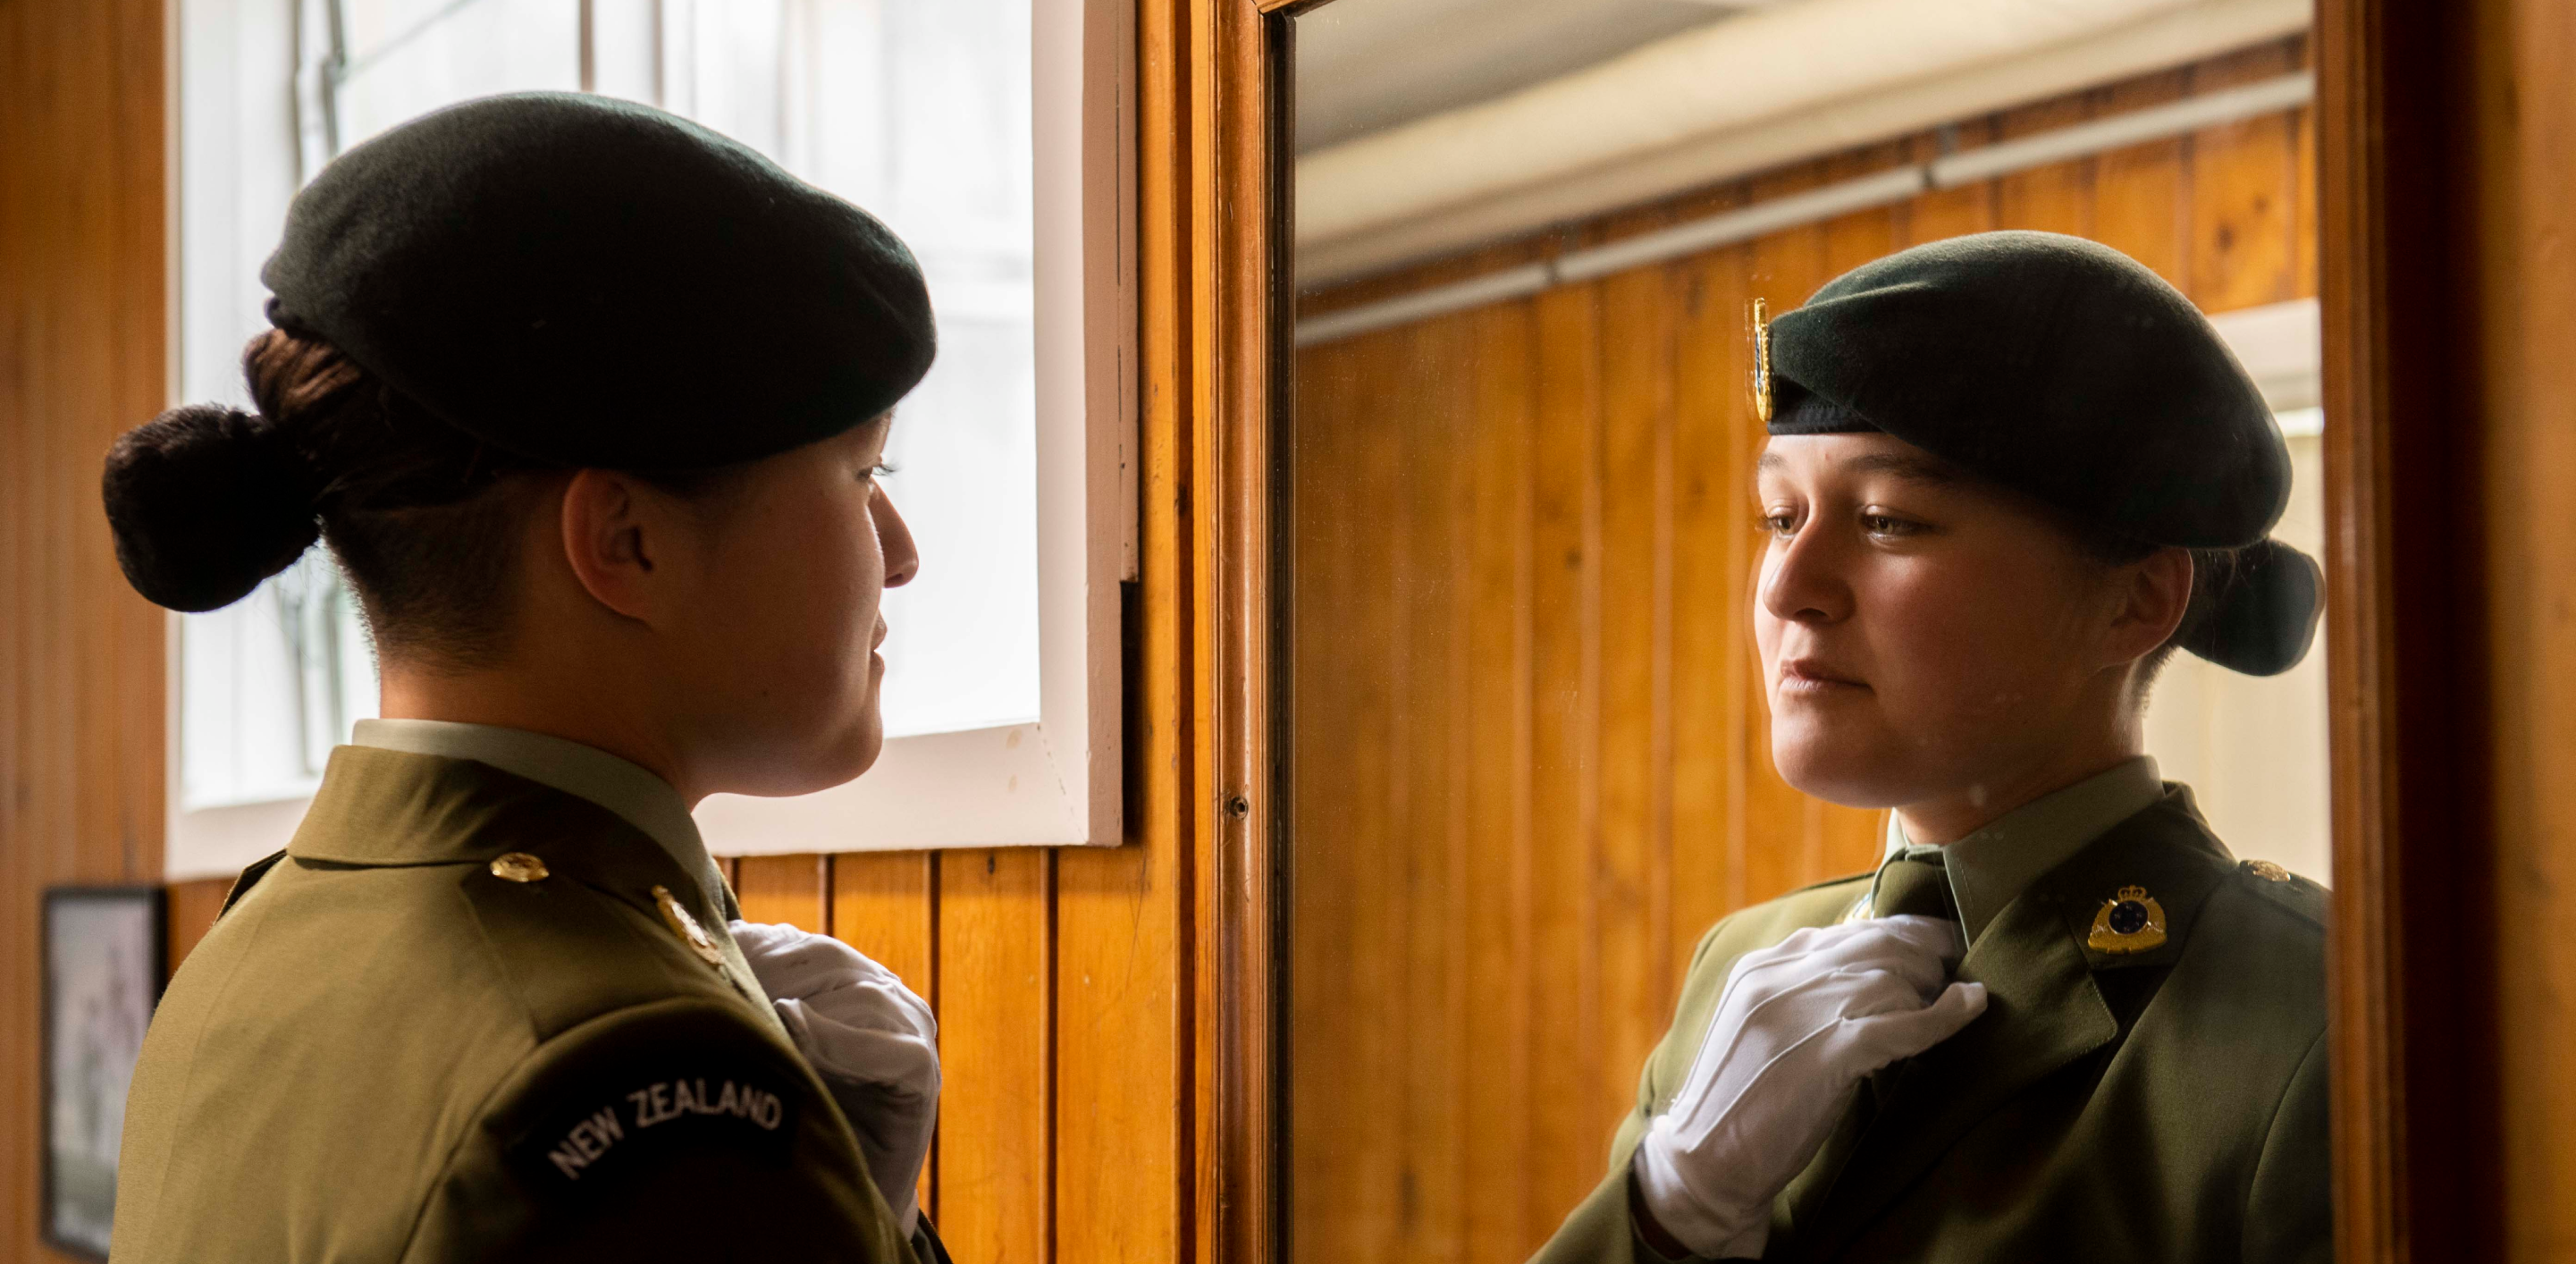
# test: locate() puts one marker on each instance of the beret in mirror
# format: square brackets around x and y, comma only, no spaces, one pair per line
[2066,371]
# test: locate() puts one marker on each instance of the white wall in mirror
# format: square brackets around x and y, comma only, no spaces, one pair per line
[1002,657]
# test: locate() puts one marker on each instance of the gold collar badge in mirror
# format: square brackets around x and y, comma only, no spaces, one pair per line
[2130,921]
[1762,362]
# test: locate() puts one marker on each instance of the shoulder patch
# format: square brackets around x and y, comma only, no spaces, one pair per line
[2284,889]
[674,1079]
[597,1128]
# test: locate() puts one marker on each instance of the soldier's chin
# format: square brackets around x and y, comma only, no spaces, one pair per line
[1833,763]
[817,763]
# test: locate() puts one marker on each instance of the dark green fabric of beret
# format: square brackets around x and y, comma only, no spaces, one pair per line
[591,282]
[2066,371]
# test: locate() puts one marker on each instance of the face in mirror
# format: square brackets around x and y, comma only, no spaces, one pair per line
[1933,655]
[1932,642]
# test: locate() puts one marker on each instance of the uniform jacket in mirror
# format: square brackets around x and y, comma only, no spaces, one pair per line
[2158,1107]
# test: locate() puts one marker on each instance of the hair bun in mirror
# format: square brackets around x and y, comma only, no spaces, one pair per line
[206,502]
[2266,617]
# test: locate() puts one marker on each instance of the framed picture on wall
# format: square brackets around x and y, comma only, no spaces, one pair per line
[105,951]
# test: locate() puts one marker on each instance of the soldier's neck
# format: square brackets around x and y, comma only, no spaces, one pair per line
[1946,818]
[557,705]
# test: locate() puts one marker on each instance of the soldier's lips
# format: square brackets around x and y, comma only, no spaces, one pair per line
[1809,678]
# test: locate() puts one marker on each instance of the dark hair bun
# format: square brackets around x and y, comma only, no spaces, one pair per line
[206,502]
[2266,614]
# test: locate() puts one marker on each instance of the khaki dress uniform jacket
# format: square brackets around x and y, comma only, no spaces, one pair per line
[404,1041]
[2155,1107]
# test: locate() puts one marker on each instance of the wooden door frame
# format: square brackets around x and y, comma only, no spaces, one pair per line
[1239,331]
[2412,1029]
[2413,1039]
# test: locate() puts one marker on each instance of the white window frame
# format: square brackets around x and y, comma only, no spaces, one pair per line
[1059,781]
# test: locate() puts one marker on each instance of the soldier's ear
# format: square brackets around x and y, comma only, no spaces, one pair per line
[617,542]
[2152,595]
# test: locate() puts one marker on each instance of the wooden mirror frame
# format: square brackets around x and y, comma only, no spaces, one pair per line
[2412,1002]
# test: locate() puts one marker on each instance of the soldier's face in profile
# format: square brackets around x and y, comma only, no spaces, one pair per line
[792,565]
[1922,634]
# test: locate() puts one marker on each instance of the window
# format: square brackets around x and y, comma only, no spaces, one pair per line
[1001,695]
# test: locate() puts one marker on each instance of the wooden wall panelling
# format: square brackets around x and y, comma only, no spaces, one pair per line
[796,890]
[1435,1057]
[2243,199]
[1565,982]
[1956,212]
[1501,1013]
[1715,689]
[1126,956]
[2138,188]
[83,355]
[1631,886]
[2057,198]
[997,1104]
[886,904]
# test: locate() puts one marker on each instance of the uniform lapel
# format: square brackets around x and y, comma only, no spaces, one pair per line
[2043,1011]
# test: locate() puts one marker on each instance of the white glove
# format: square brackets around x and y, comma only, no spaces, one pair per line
[872,1041]
[1797,1027]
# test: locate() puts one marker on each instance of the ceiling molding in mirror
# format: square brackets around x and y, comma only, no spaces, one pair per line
[1715,101]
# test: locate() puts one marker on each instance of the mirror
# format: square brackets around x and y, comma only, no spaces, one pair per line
[1528,719]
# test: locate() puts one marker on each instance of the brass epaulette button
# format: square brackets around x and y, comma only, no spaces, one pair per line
[518,866]
[2267,871]
[687,928]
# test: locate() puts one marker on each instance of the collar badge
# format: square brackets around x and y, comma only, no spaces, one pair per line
[2130,921]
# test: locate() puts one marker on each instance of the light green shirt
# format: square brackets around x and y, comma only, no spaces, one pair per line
[1992,866]
[630,790]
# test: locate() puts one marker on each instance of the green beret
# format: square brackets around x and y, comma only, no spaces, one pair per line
[2067,371]
[590,282]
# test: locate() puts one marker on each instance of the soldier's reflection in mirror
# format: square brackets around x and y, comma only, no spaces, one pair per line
[1804,637]
[2009,476]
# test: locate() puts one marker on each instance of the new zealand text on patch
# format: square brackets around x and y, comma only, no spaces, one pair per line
[592,1137]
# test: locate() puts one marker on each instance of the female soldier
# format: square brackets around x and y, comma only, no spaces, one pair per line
[589,404]
[2009,475]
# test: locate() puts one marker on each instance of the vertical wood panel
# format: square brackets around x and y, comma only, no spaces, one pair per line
[1422,853]
[1496,929]
[1532,755]
[2243,200]
[886,904]
[796,890]
[1632,874]
[995,1183]
[2141,187]
[1565,976]
[83,356]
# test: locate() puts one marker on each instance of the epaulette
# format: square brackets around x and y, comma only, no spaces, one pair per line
[2291,892]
